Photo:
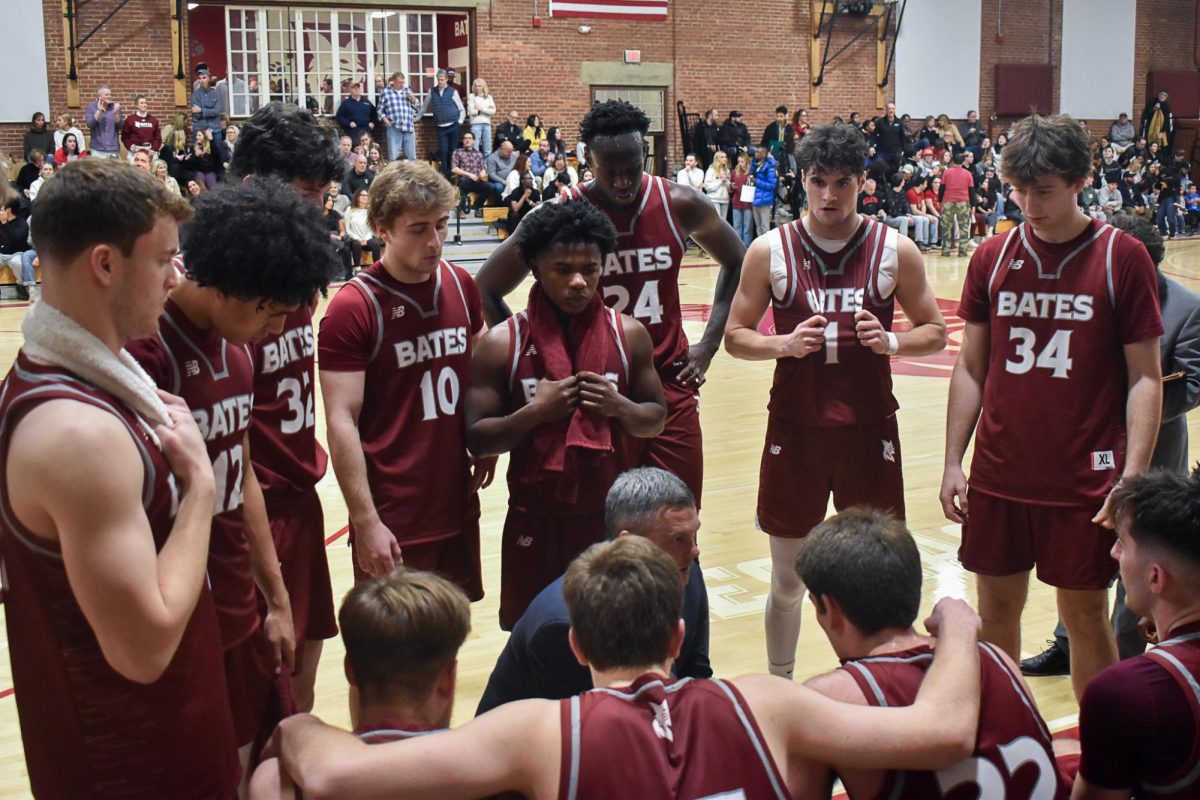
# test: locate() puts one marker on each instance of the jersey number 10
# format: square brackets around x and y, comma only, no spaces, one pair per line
[440,395]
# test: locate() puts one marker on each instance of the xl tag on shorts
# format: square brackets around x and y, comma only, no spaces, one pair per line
[1103,459]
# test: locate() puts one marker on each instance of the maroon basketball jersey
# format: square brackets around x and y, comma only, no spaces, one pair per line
[530,489]
[641,277]
[1180,657]
[87,731]
[216,380]
[1013,754]
[413,341]
[1052,429]
[283,432]
[684,739]
[845,383]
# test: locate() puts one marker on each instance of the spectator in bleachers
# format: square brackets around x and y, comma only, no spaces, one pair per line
[104,119]
[481,107]
[558,145]
[919,208]
[540,159]
[559,175]
[924,165]
[1108,167]
[46,173]
[15,252]
[704,138]
[141,160]
[971,132]
[779,136]
[160,171]
[174,153]
[358,179]
[717,183]
[1109,200]
[448,113]
[800,125]
[1191,201]
[356,114]
[397,107]
[64,124]
[1138,151]
[691,174]
[521,199]
[30,170]
[765,177]
[336,227]
[466,165]
[1153,154]
[928,133]
[510,131]
[949,134]
[205,105]
[69,151]
[1168,213]
[195,190]
[363,146]
[201,162]
[870,203]
[375,160]
[901,218]
[1158,123]
[513,180]
[140,130]
[1121,134]
[890,137]
[733,136]
[341,202]
[501,162]
[225,148]
[1089,200]
[742,210]
[533,133]
[38,137]
[359,234]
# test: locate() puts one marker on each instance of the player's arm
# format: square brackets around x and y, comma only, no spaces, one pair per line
[928,333]
[516,747]
[1082,790]
[962,413]
[502,272]
[643,412]
[270,782]
[701,221]
[742,337]
[491,429]
[343,392]
[74,472]
[1143,410]
[813,780]
[264,561]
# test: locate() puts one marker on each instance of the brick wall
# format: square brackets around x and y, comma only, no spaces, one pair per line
[753,63]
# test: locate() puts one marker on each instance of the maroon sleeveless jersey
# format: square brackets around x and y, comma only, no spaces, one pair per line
[1180,657]
[283,432]
[1013,754]
[1052,429]
[87,731]
[845,383]
[216,380]
[530,489]
[686,739]
[641,277]
[413,342]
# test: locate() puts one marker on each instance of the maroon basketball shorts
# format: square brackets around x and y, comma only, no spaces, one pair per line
[1005,537]
[298,529]
[454,557]
[250,679]
[802,465]
[535,550]
[679,449]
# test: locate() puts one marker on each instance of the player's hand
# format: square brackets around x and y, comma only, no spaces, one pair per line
[951,614]
[183,446]
[695,367]
[377,549]
[116,107]
[807,337]
[555,400]
[871,333]
[483,470]
[281,633]
[954,494]
[597,393]
[1104,515]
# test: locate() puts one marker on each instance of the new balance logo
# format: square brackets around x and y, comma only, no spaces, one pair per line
[1016,263]
[191,368]
[397,312]
[524,541]
[1103,459]
[775,449]
[889,451]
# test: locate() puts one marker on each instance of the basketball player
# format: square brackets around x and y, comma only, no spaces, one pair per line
[640,733]
[863,572]
[238,288]
[537,660]
[832,280]
[286,142]
[1060,354]
[654,219]
[566,386]
[107,503]
[402,635]
[1139,721]
[395,351]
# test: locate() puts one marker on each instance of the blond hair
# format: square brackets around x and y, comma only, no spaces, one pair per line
[721,170]
[485,87]
[408,186]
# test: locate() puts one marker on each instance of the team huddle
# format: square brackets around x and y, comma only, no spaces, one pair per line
[166,583]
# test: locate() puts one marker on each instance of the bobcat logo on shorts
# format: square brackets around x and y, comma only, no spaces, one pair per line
[1016,263]
[192,368]
[889,451]
[524,541]
[775,449]
[398,312]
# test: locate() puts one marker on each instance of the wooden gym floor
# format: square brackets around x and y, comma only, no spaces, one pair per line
[734,554]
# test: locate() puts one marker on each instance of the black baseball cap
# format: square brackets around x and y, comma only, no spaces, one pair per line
[735,113]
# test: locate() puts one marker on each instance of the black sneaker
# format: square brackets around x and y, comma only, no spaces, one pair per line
[1054,660]
[22,291]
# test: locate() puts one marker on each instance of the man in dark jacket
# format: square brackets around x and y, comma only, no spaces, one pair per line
[889,137]
[704,138]
[778,136]
[1166,126]
[733,137]
[356,114]
[448,115]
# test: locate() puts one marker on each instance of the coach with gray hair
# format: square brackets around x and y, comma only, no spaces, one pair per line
[448,114]
[538,662]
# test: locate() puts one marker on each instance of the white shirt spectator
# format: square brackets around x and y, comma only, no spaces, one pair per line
[693,177]
[717,188]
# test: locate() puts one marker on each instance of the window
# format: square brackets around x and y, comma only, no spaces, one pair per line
[652,101]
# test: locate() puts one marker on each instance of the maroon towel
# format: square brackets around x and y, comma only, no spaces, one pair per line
[584,437]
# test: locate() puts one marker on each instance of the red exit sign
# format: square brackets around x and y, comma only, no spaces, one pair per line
[633,56]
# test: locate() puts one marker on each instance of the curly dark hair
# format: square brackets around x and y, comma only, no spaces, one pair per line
[613,118]
[285,141]
[834,147]
[259,240]
[567,222]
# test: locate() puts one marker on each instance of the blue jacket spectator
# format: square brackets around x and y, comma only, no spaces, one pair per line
[765,181]
[206,106]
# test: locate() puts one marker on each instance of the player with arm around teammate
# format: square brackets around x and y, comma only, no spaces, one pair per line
[239,288]
[641,734]
[832,280]
[568,386]
[654,218]
[863,573]
[395,351]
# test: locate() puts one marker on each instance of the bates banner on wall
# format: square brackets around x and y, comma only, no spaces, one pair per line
[655,10]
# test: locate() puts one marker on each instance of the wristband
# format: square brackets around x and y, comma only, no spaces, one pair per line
[893,343]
